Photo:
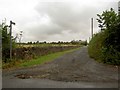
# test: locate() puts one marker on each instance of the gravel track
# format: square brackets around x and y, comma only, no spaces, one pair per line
[73,67]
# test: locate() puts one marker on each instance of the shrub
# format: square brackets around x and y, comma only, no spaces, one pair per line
[105,46]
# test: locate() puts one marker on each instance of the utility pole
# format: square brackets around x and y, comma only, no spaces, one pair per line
[92,27]
[11,38]
[21,32]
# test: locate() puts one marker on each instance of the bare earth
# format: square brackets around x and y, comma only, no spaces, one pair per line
[75,69]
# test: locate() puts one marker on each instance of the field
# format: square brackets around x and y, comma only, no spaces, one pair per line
[34,54]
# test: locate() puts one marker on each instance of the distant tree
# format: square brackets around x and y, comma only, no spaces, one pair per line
[83,42]
[37,42]
[44,42]
[34,42]
[29,42]
[75,42]
[59,42]
[53,42]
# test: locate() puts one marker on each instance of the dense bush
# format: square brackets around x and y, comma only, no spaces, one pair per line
[95,46]
[101,53]
[105,46]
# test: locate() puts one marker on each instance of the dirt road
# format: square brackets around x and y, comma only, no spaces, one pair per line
[75,69]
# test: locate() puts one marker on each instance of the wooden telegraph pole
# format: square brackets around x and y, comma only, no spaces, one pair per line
[11,38]
[92,27]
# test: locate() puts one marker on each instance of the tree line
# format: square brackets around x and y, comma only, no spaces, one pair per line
[81,42]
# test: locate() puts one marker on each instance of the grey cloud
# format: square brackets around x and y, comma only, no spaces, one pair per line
[65,16]
[45,29]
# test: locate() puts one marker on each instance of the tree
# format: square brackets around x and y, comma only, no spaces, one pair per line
[109,22]
[108,19]
[6,42]
[29,42]
[37,42]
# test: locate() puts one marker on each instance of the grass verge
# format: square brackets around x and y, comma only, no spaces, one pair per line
[38,61]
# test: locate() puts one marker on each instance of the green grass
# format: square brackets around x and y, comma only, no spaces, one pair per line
[44,59]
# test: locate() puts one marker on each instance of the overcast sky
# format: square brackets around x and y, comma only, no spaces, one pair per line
[54,20]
